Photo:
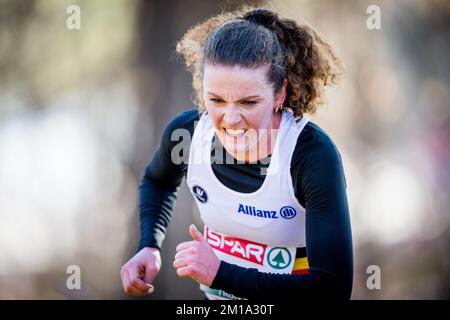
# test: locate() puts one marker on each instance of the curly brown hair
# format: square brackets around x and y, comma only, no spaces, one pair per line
[252,37]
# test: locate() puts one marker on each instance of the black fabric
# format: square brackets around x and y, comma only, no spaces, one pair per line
[320,187]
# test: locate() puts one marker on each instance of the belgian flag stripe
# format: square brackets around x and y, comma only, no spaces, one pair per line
[301,266]
[300,252]
[305,271]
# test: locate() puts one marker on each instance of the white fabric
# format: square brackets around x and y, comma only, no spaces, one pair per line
[261,229]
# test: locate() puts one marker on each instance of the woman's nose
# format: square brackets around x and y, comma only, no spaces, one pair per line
[232,116]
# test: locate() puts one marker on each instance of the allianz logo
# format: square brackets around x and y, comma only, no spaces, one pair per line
[286,212]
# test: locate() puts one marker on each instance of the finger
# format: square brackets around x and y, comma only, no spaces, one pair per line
[129,288]
[135,281]
[185,253]
[182,262]
[185,245]
[124,280]
[195,234]
[184,272]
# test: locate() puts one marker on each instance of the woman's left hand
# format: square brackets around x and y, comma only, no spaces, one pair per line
[196,259]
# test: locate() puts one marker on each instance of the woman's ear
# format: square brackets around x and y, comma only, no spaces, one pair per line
[281,95]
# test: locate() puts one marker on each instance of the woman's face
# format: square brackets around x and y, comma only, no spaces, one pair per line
[241,104]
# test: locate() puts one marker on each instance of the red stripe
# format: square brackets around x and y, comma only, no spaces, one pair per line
[301,271]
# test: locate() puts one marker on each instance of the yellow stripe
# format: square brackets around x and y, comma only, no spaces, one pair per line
[301,263]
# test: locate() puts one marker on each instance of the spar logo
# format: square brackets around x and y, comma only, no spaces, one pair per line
[288,212]
[240,248]
[200,194]
[279,258]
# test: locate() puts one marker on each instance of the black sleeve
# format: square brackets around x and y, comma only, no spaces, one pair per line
[162,178]
[319,183]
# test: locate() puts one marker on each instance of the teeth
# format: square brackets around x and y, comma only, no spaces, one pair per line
[235,133]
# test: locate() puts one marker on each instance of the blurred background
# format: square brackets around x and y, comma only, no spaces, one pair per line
[81,112]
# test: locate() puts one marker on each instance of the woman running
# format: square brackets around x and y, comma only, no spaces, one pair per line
[269,183]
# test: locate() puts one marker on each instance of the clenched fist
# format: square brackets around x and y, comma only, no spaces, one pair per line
[140,271]
[196,259]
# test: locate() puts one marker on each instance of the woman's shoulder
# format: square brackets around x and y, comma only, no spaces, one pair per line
[314,143]
[185,120]
[312,132]
[315,160]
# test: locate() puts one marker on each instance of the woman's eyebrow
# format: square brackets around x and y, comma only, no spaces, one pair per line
[245,98]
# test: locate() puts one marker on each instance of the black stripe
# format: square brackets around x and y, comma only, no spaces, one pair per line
[300,253]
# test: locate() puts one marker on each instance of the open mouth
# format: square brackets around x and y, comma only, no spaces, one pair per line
[235,133]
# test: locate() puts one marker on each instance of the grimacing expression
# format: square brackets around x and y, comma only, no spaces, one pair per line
[241,103]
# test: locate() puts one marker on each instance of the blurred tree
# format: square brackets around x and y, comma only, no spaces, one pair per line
[12,29]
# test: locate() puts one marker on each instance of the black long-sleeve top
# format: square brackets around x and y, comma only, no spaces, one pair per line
[320,187]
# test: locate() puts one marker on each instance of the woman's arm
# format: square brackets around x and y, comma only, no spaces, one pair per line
[160,183]
[319,183]
[156,203]
[158,189]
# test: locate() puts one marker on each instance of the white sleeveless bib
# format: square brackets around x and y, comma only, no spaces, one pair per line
[262,229]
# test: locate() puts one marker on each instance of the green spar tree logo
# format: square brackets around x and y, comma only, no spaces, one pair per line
[277,259]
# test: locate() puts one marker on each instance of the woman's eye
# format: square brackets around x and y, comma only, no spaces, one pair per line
[246,102]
